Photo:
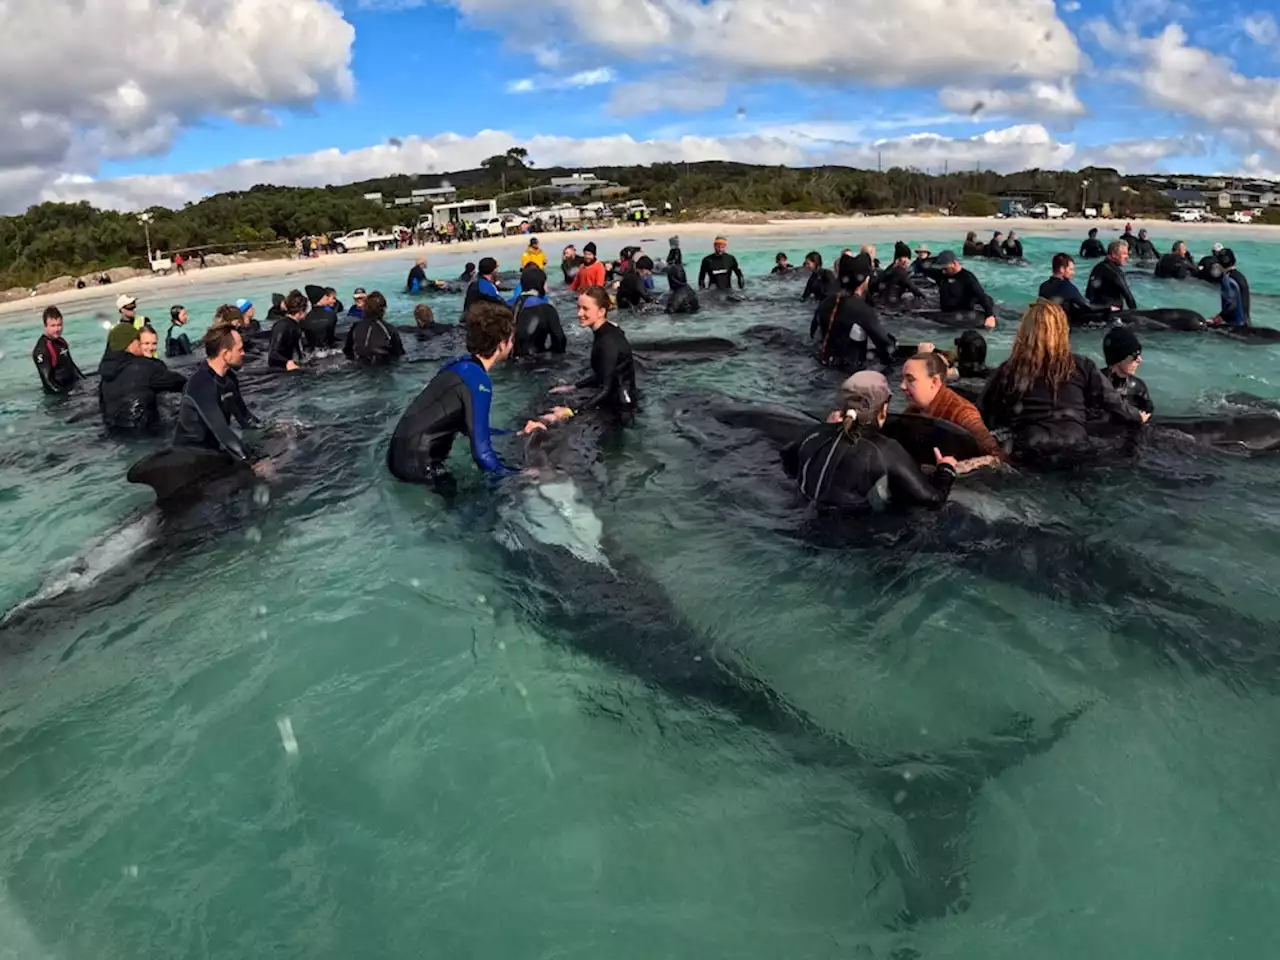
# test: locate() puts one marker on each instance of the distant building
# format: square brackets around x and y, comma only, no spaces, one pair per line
[1186,198]
[375,197]
[441,194]
[579,183]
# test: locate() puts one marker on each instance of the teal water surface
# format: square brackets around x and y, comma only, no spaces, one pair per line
[323,724]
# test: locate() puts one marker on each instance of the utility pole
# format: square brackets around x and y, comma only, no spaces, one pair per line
[145,220]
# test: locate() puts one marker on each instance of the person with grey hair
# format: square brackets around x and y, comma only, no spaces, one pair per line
[1108,286]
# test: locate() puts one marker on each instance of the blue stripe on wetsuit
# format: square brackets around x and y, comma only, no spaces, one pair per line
[486,288]
[1232,302]
[480,390]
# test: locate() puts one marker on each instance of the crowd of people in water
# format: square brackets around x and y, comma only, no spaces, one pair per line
[1035,407]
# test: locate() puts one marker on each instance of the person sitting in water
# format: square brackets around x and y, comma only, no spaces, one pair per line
[538,327]
[249,325]
[284,351]
[924,382]
[719,268]
[781,267]
[130,378]
[631,291]
[1044,393]
[972,248]
[1226,260]
[484,287]
[849,464]
[1123,353]
[846,320]
[971,356]
[1013,246]
[1129,239]
[682,298]
[468,272]
[52,356]
[1176,264]
[960,292]
[922,267]
[893,283]
[179,345]
[994,249]
[612,379]
[320,325]
[1232,312]
[371,341]
[276,310]
[1061,289]
[359,297]
[591,273]
[1092,248]
[534,256]
[822,282]
[212,398]
[1142,248]
[1108,286]
[570,263]
[456,401]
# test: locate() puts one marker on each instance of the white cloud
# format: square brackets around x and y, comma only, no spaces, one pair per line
[1010,148]
[1071,6]
[1261,28]
[1197,83]
[910,41]
[647,96]
[574,81]
[1038,99]
[1140,155]
[80,80]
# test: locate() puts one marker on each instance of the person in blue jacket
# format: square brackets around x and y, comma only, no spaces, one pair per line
[457,400]
[1234,312]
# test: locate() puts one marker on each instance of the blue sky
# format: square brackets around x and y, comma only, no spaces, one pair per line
[1146,85]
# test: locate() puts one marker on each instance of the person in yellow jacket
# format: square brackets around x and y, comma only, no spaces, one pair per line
[534,255]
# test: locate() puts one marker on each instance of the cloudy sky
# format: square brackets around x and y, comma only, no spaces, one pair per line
[128,103]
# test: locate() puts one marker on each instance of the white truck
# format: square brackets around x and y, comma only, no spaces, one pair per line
[1048,211]
[366,239]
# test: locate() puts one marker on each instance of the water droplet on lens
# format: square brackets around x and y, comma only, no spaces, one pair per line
[254,535]
[906,774]
[262,495]
[900,797]
[502,644]
[1,354]
[481,599]
[287,739]
[262,610]
[415,583]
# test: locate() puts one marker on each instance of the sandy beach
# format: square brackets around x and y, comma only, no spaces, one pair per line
[851,231]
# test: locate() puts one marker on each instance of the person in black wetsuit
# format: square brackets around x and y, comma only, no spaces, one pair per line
[888,287]
[538,326]
[1129,239]
[417,280]
[456,401]
[612,380]
[1108,286]
[1061,289]
[781,267]
[249,325]
[424,325]
[994,249]
[971,355]
[371,341]
[468,273]
[320,325]
[1044,393]
[719,268]
[1092,248]
[212,398]
[849,464]
[1123,353]
[846,320]
[959,290]
[682,298]
[52,357]
[1013,246]
[631,290]
[285,349]
[1176,264]
[1226,260]
[1142,248]
[972,248]
[179,345]
[129,380]
[484,287]
[276,310]
[923,266]
[822,282]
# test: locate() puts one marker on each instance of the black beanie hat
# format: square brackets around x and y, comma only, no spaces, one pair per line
[971,347]
[1119,345]
[590,247]
[852,271]
[643,263]
[900,250]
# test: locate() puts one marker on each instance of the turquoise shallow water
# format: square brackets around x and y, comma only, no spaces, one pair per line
[465,784]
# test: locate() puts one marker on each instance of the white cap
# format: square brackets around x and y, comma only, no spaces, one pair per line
[124,300]
[1217,248]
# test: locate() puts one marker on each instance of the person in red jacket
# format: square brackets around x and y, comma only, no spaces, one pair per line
[591,273]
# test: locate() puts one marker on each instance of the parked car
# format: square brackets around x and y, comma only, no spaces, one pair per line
[1048,211]
[491,227]
[1091,213]
[366,239]
[1190,215]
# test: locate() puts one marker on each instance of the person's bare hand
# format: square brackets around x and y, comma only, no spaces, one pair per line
[950,461]
[557,415]
[563,388]
[989,323]
[290,365]
[1145,416]
[531,426]
[265,469]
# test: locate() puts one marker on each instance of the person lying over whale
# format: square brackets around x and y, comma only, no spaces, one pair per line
[1108,286]
[822,282]
[924,383]
[425,326]
[418,282]
[960,293]
[631,290]
[612,379]
[538,327]
[1176,264]
[130,378]
[682,299]
[852,465]
[52,357]
[456,401]
[1044,394]
[846,320]
[371,341]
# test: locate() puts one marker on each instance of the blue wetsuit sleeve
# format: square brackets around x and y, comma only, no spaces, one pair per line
[478,399]
[489,291]
[1230,291]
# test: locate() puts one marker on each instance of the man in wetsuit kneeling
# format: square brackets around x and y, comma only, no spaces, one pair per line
[457,400]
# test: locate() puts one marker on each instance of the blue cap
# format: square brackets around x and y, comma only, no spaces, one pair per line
[243,305]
